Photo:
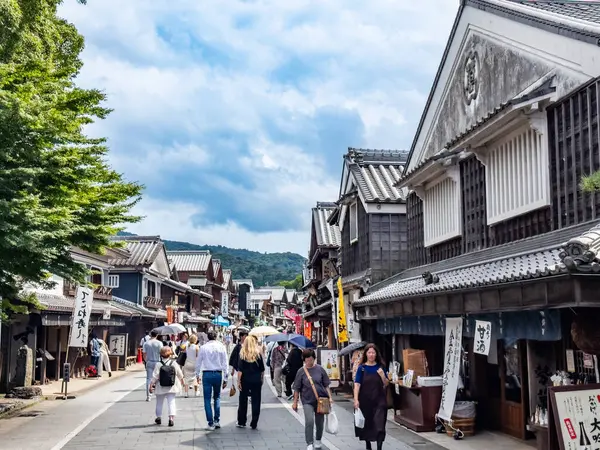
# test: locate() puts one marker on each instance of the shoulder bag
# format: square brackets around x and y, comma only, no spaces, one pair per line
[323,403]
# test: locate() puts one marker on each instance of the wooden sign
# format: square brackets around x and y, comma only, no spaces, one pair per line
[574,417]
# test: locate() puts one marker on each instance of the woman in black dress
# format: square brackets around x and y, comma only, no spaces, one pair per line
[294,363]
[251,374]
[370,396]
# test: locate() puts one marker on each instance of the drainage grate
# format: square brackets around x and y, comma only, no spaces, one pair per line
[30,414]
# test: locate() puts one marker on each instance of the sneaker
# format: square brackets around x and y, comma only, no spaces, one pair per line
[318,444]
[310,447]
[217,424]
[158,421]
[211,428]
[290,397]
[240,425]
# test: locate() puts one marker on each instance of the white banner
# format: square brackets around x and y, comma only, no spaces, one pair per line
[483,337]
[334,300]
[451,375]
[81,317]
[225,304]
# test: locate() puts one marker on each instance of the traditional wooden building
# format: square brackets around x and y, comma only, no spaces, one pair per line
[498,226]
[371,216]
[322,270]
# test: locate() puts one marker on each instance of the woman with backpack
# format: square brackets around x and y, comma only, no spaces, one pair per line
[167,382]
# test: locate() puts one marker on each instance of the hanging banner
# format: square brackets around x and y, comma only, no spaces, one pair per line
[451,375]
[342,327]
[81,317]
[225,304]
[333,308]
[353,327]
[483,337]
[308,330]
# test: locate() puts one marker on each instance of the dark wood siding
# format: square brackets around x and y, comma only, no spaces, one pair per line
[573,136]
[475,229]
[355,256]
[524,226]
[417,254]
[388,245]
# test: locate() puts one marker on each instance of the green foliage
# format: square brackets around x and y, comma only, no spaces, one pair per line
[295,284]
[56,188]
[591,183]
[263,268]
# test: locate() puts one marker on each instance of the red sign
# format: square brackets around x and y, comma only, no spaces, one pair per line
[290,314]
[570,429]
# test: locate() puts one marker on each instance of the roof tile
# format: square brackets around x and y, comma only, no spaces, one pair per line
[327,235]
[142,251]
[190,261]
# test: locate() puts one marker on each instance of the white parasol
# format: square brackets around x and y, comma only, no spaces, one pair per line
[263,331]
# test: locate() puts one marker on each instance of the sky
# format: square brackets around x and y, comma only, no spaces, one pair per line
[235,114]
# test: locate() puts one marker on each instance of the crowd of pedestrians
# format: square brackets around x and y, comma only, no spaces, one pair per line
[175,367]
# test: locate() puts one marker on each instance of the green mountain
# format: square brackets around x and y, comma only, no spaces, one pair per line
[262,268]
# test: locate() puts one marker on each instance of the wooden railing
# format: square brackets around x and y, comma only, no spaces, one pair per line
[100,293]
[152,302]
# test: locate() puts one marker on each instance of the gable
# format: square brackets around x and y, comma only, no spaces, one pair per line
[490,59]
[161,264]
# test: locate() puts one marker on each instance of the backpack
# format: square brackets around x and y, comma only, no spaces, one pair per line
[167,374]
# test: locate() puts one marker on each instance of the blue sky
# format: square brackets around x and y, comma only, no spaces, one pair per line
[235,114]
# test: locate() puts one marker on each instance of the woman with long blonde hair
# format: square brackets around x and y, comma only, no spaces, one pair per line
[251,373]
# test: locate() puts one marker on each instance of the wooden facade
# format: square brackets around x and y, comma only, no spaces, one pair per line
[382,245]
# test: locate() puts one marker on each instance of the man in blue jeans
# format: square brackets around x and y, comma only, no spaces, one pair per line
[211,365]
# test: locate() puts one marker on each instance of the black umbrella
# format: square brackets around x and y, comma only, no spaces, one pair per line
[349,349]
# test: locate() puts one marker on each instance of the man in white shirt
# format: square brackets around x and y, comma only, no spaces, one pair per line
[151,352]
[211,364]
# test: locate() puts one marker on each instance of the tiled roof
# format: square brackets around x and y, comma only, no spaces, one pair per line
[536,257]
[276,292]
[588,11]
[216,263]
[327,235]
[142,251]
[190,260]
[290,294]
[376,172]
[61,303]
[226,278]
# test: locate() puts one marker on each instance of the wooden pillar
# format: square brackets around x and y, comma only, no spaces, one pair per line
[44,360]
[330,337]
[58,354]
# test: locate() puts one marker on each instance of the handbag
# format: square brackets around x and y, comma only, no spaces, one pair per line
[323,403]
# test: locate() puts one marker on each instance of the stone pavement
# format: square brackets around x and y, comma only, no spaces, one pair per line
[117,416]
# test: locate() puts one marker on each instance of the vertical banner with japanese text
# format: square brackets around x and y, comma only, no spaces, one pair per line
[81,317]
[452,355]
[483,337]
[333,307]
[225,304]
[342,326]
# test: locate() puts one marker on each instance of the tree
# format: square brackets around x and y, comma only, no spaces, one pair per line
[56,187]
[295,284]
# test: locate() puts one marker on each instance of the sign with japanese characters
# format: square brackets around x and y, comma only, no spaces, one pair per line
[483,337]
[117,344]
[452,355]
[577,417]
[81,318]
[328,359]
[225,304]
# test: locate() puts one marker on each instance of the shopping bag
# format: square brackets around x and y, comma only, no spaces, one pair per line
[359,419]
[331,423]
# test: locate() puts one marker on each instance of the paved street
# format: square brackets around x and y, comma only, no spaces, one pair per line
[116,416]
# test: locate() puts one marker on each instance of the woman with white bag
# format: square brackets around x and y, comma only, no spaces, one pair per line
[370,398]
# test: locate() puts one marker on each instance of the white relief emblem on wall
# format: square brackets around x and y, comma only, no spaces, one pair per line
[471,77]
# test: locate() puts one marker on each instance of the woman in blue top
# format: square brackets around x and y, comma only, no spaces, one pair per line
[370,396]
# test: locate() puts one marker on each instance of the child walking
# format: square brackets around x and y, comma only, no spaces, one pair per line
[167,382]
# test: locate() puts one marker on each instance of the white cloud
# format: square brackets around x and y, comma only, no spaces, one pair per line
[160,219]
[187,69]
